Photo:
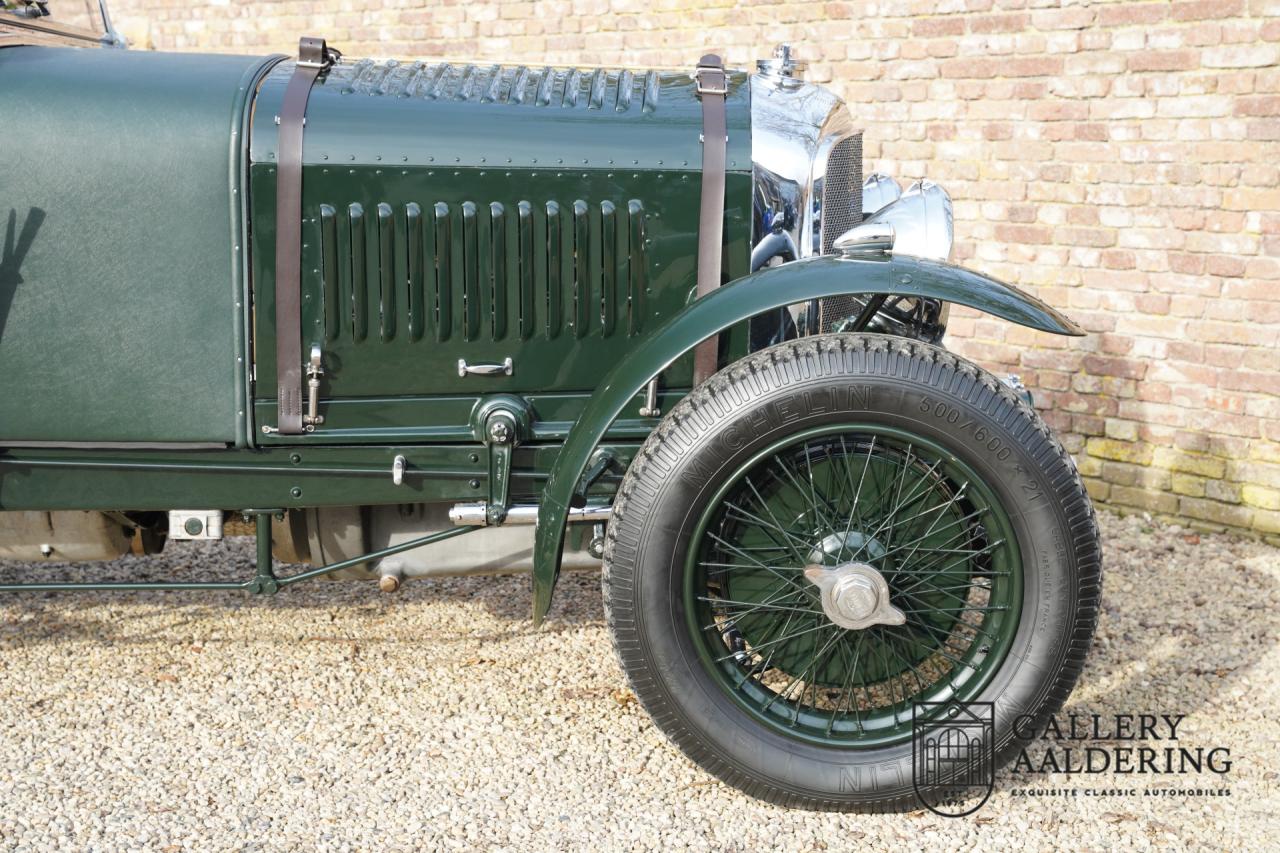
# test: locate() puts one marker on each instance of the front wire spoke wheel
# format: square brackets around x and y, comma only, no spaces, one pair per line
[834,540]
[872,509]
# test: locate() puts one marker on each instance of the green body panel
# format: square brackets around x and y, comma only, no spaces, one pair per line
[380,420]
[448,220]
[48,478]
[766,290]
[121,284]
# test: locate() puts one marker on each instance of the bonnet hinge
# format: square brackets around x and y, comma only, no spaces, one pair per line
[314,58]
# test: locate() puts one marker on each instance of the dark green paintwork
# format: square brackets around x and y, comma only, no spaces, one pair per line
[121,271]
[383,169]
[766,290]
[123,314]
[383,420]
[41,479]
[355,117]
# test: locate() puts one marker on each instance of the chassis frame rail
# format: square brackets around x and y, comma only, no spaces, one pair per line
[264,582]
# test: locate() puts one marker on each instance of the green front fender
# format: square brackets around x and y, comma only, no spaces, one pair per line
[766,290]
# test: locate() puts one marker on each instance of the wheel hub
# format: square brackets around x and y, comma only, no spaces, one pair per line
[840,548]
[854,595]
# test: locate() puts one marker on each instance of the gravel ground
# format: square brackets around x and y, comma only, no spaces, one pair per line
[332,717]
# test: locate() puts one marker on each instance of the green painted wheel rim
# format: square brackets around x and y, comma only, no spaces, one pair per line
[932,528]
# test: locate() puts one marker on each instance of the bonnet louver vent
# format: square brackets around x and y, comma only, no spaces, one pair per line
[482,271]
[598,89]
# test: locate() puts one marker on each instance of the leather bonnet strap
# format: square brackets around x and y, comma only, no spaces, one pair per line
[712,88]
[314,56]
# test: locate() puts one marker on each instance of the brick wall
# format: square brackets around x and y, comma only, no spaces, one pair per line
[1119,159]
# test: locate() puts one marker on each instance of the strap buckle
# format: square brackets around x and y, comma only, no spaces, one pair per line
[313,52]
[710,76]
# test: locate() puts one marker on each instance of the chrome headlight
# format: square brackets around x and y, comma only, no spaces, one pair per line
[919,223]
[878,191]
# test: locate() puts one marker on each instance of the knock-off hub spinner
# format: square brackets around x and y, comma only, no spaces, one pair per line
[854,595]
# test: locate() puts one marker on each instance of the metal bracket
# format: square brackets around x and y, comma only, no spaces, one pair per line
[501,438]
[602,462]
[264,581]
[195,524]
[314,371]
[650,408]
[314,52]
[596,546]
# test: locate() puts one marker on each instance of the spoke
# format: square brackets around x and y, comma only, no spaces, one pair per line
[763,525]
[851,671]
[974,609]
[818,659]
[792,636]
[786,469]
[866,694]
[925,576]
[815,494]
[938,650]
[971,552]
[976,629]
[977,574]
[944,543]
[857,648]
[928,578]
[751,608]
[857,496]
[919,540]
[888,682]
[770,659]
[772,570]
[900,478]
[898,505]
[899,502]
[933,650]
[795,679]
[764,665]
[919,515]
[950,591]
[837,487]
[933,551]
[893,639]
[711,564]
[765,506]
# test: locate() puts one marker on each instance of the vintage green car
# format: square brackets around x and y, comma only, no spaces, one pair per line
[656,321]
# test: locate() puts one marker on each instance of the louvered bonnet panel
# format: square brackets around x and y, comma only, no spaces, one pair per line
[483,212]
[475,271]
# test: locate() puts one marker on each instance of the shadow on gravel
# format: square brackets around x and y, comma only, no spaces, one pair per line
[28,618]
[1183,620]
